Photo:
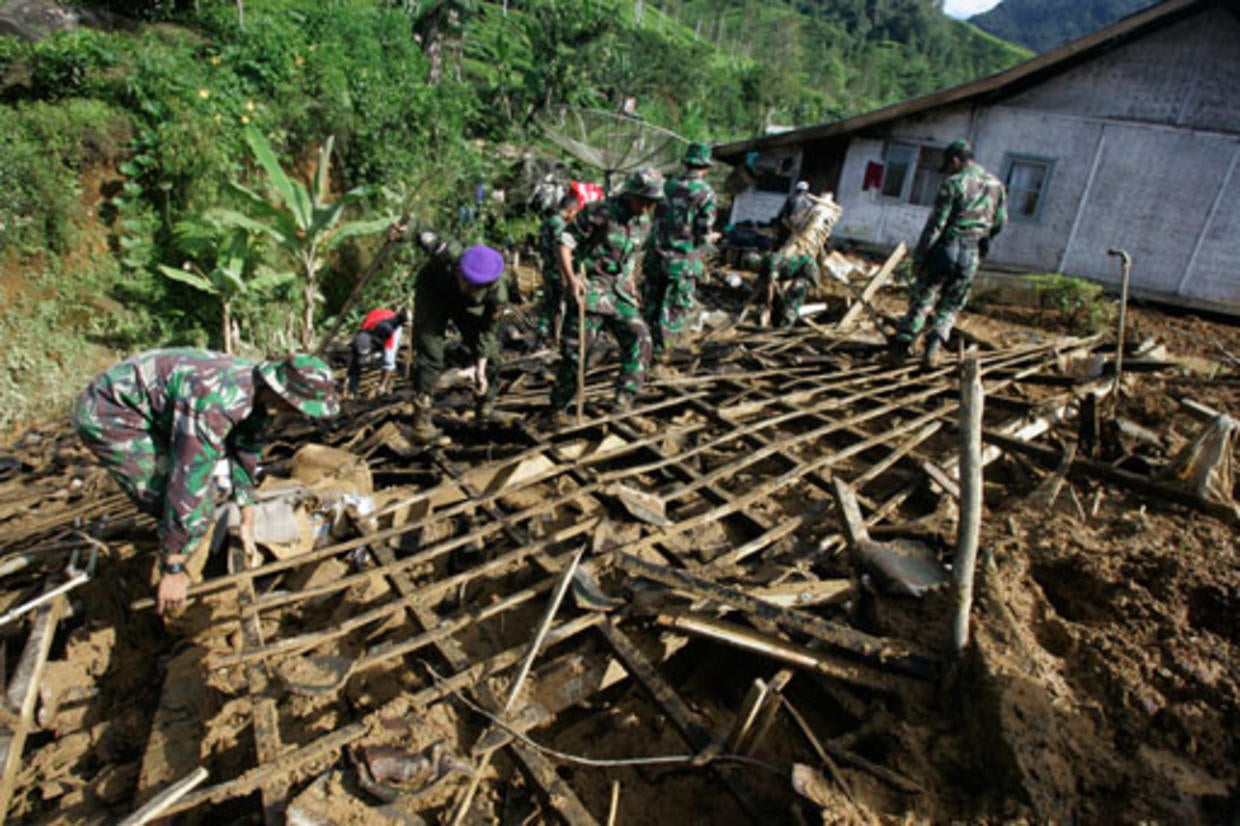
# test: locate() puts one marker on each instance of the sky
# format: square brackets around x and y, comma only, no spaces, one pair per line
[968,8]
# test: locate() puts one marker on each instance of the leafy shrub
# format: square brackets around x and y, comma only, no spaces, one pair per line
[1081,304]
[67,64]
[44,147]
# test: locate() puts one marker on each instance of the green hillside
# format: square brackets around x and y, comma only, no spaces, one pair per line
[1044,24]
[126,146]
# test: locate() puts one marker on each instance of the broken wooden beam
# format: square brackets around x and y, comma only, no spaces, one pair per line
[23,694]
[778,649]
[1089,468]
[264,715]
[876,283]
[884,652]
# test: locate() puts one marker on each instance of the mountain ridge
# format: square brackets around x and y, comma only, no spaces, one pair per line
[1042,25]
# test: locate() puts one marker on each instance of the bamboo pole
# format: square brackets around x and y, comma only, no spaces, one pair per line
[971,404]
[165,799]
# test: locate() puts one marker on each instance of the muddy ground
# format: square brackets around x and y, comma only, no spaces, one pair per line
[1102,683]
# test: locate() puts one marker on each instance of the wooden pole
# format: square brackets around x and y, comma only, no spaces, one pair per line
[581,357]
[971,404]
[167,798]
[375,265]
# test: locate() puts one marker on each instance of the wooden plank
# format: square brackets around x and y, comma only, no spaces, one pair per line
[23,695]
[266,719]
[324,748]
[871,289]
[885,652]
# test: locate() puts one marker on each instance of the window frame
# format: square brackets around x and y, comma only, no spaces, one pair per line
[1010,160]
[910,171]
[915,165]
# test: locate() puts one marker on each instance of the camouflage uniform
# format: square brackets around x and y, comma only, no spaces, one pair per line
[438,299]
[969,210]
[794,276]
[160,421]
[673,263]
[553,285]
[606,238]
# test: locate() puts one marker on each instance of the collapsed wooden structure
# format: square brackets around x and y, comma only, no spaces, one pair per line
[707,515]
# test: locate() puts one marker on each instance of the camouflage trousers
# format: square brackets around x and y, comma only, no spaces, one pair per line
[122,441]
[430,333]
[941,290]
[552,304]
[606,307]
[668,297]
[789,296]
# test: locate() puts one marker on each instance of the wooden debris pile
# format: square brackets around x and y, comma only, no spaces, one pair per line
[741,556]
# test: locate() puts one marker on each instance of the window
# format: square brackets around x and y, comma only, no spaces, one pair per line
[911,173]
[898,160]
[1025,179]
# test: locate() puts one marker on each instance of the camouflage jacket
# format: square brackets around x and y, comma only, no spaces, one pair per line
[439,282]
[549,243]
[198,407]
[969,206]
[685,215]
[606,239]
[791,267]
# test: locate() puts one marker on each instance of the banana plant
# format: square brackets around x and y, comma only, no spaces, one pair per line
[232,269]
[303,223]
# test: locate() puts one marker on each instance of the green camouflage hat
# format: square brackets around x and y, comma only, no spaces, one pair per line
[644,183]
[303,381]
[958,148]
[698,154]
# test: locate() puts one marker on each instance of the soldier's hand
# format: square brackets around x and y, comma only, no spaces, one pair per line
[170,596]
[397,230]
[480,382]
[579,288]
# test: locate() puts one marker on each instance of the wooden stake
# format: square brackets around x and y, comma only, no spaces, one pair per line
[971,404]
[581,357]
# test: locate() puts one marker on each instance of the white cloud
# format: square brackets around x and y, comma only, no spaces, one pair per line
[967,8]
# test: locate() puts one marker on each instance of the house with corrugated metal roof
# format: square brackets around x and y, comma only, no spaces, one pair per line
[1128,138]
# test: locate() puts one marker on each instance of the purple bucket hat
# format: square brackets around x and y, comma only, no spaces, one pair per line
[481,265]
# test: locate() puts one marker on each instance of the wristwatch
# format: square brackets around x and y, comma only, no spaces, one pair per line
[166,567]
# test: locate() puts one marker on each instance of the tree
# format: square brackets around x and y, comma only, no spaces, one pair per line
[231,268]
[304,224]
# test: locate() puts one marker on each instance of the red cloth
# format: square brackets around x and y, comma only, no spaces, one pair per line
[376,317]
[873,176]
[586,192]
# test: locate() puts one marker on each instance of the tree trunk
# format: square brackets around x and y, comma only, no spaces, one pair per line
[307,321]
[226,312]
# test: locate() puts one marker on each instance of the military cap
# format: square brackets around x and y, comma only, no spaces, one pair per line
[644,183]
[698,154]
[303,381]
[481,265]
[958,148]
